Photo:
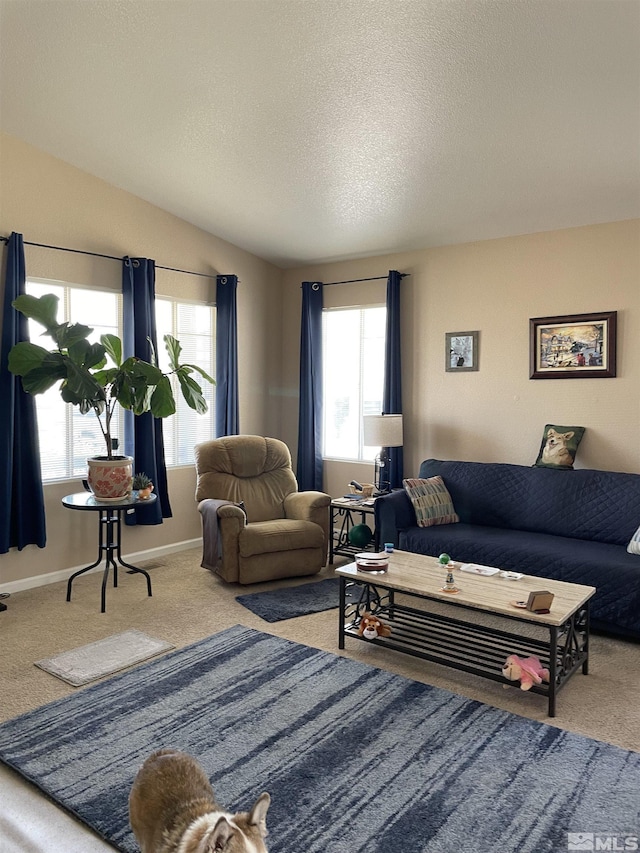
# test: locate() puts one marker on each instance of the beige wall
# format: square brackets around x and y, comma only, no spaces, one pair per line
[495,287]
[50,202]
[496,414]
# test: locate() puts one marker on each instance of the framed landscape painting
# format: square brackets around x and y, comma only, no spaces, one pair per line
[575,346]
[461,351]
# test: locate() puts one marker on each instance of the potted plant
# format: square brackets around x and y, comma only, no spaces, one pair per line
[143,485]
[91,383]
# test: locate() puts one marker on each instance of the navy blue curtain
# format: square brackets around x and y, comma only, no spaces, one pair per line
[392,391]
[22,519]
[143,433]
[309,468]
[227,418]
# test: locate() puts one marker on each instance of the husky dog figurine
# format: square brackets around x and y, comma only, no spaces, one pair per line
[172,809]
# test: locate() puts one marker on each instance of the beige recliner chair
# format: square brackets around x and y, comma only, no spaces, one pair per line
[256,525]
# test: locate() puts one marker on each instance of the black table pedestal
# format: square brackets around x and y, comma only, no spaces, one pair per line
[109,539]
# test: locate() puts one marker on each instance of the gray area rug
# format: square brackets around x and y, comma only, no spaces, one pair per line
[104,657]
[355,758]
[289,602]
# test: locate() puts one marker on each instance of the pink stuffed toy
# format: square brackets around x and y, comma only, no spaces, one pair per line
[529,670]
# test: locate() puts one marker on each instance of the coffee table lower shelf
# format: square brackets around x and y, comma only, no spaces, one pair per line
[465,645]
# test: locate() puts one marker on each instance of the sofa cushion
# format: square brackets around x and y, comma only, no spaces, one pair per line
[634,546]
[559,446]
[616,604]
[431,501]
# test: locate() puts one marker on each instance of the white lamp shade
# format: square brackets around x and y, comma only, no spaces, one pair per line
[383,430]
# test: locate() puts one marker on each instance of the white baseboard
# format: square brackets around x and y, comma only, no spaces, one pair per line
[65,574]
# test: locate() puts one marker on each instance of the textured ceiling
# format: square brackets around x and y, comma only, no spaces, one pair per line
[313,130]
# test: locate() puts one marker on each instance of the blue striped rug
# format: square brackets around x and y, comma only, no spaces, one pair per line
[356,759]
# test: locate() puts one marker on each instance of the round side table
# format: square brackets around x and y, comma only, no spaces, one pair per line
[109,536]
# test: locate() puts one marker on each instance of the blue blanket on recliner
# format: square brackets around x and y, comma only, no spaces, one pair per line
[562,524]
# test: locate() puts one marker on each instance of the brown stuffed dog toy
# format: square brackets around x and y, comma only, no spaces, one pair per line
[372,627]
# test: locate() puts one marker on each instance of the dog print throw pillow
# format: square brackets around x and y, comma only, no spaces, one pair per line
[559,446]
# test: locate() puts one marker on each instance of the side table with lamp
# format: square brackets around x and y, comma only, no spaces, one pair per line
[383,431]
[348,535]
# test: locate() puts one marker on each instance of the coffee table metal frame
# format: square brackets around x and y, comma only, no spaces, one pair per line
[109,538]
[460,643]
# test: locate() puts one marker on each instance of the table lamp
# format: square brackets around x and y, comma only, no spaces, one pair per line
[382,431]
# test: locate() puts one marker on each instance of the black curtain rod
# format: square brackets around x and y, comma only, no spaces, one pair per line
[356,280]
[109,257]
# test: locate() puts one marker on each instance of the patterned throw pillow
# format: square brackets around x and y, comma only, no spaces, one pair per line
[634,546]
[431,501]
[559,446]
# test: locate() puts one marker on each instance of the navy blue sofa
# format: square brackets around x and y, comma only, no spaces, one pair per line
[569,525]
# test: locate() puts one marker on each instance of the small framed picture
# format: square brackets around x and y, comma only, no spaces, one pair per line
[575,346]
[461,351]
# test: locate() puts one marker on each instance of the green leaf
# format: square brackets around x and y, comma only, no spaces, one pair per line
[113,346]
[202,373]
[87,355]
[43,309]
[81,384]
[174,349]
[25,357]
[42,378]
[163,402]
[145,372]
[121,390]
[105,377]
[67,335]
[191,392]
[152,349]
[95,356]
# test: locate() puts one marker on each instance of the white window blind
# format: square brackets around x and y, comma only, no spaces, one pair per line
[66,437]
[353,376]
[193,324]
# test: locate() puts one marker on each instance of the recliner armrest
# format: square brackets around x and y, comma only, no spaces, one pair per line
[303,505]
[393,512]
[222,522]
[310,506]
[233,511]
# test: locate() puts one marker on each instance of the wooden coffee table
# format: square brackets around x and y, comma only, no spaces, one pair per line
[450,636]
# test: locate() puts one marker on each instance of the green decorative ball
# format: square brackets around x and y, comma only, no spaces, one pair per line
[444,559]
[360,535]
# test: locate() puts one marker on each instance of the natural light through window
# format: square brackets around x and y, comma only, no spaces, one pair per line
[67,438]
[353,375]
[193,324]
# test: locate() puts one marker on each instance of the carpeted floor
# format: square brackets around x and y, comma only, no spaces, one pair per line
[364,759]
[190,603]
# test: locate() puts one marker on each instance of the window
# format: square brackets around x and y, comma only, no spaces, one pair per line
[193,325]
[353,374]
[66,437]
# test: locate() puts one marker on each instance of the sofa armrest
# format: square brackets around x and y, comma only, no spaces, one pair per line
[393,512]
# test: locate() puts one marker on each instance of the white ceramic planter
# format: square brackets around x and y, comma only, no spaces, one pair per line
[110,479]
